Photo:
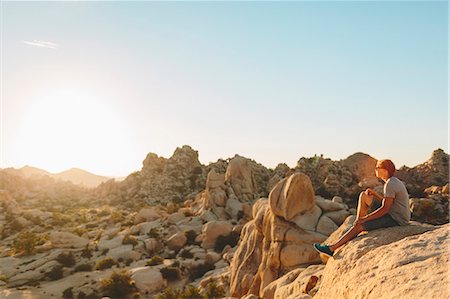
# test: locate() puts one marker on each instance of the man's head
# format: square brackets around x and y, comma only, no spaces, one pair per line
[385,169]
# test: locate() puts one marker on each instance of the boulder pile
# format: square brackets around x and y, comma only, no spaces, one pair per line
[279,238]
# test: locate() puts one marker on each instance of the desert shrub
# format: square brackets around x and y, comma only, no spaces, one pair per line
[154,233]
[231,239]
[190,235]
[129,240]
[212,290]
[173,208]
[86,252]
[155,260]
[186,253]
[55,273]
[104,213]
[15,226]
[25,242]
[83,268]
[60,219]
[105,263]
[199,270]
[79,231]
[191,292]
[68,293]
[116,217]
[66,259]
[170,273]
[169,293]
[3,278]
[128,261]
[119,284]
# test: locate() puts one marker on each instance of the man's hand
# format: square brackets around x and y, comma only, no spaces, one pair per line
[370,192]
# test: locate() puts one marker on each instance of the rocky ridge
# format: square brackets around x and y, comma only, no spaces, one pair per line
[81,239]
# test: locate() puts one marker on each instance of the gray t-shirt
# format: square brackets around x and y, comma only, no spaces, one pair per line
[399,210]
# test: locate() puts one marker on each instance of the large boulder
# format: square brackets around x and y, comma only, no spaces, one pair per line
[177,241]
[397,262]
[212,230]
[146,215]
[147,280]
[67,240]
[292,196]
[240,176]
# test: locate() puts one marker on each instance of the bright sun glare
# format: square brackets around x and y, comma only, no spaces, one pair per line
[67,128]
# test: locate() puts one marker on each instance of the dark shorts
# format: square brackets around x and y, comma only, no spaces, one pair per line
[385,221]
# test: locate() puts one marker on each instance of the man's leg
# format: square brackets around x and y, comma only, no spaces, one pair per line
[350,235]
[364,202]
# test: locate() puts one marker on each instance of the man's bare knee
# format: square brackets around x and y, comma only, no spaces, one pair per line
[365,199]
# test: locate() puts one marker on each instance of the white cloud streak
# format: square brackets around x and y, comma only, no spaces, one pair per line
[42,44]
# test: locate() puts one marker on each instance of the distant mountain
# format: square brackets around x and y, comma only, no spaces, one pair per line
[81,177]
[74,175]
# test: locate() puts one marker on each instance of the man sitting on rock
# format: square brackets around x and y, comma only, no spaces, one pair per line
[393,211]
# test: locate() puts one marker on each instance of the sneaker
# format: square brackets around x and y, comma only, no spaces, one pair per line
[325,249]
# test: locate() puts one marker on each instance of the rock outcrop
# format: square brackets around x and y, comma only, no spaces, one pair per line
[398,262]
[164,179]
[434,172]
[345,178]
[228,194]
[279,238]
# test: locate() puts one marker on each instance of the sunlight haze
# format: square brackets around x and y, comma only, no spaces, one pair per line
[98,85]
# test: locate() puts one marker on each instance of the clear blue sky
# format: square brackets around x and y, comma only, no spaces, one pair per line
[98,85]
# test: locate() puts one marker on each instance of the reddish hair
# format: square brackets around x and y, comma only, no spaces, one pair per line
[388,165]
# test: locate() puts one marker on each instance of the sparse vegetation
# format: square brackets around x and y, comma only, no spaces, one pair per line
[191,292]
[25,242]
[79,231]
[60,219]
[105,263]
[66,259]
[172,208]
[116,217]
[83,267]
[199,270]
[68,293]
[86,252]
[155,260]
[154,233]
[190,235]
[128,239]
[55,273]
[186,254]
[212,290]
[170,273]
[15,226]
[169,293]
[118,285]
[232,239]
